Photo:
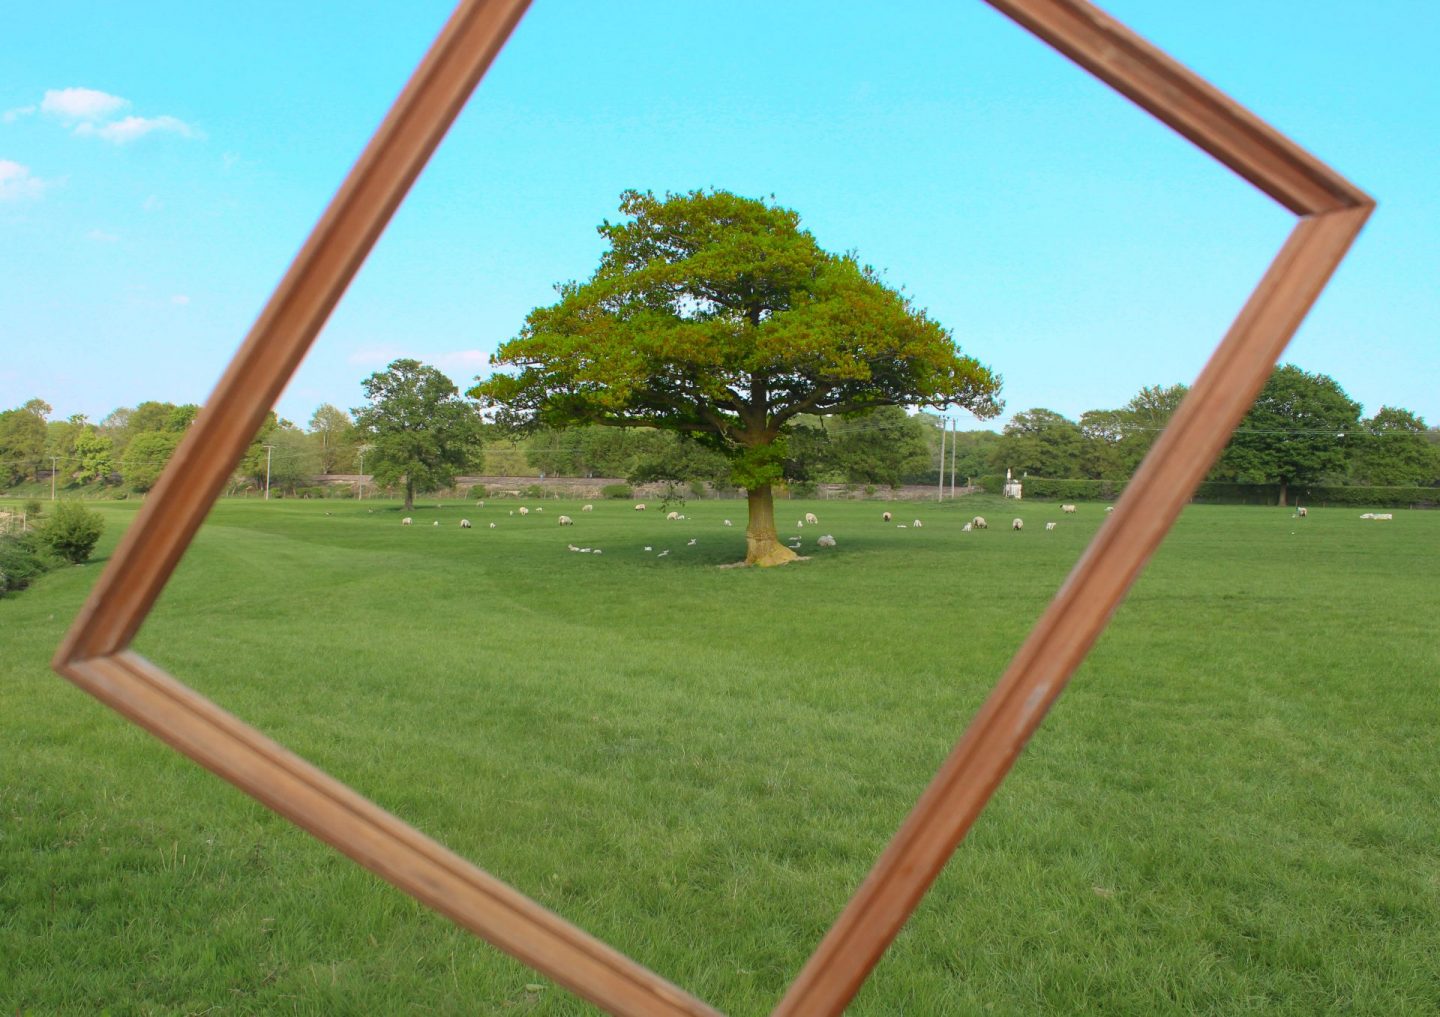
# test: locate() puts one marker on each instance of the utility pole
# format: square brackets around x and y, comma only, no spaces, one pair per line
[267,471]
[360,485]
[53,470]
[940,491]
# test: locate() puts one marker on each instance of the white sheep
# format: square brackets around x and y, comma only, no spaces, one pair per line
[566,521]
[886,517]
[690,542]
[572,547]
[979,523]
[1385,515]
[1049,526]
[480,503]
[729,523]
[640,507]
[672,516]
[587,508]
[966,528]
[539,508]
[1017,524]
[826,541]
[1109,509]
[799,524]
[435,523]
[810,518]
[1302,512]
[917,524]
[464,524]
[492,526]
[1067,509]
[523,510]
[407,521]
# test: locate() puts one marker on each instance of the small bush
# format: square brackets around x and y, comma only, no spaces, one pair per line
[803,488]
[698,489]
[72,531]
[534,491]
[22,560]
[616,491]
[33,507]
[477,491]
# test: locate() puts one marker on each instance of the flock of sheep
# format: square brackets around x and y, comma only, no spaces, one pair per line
[810,519]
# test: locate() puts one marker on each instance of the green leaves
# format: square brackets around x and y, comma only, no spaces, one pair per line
[718,316]
[418,428]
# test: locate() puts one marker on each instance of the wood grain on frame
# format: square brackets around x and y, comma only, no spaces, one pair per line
[95,653]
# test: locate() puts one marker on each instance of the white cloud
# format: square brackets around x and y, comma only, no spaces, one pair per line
[179,300]
[452,362]
[17,183]
[102,237]
[81,104]
[12,115]
[122,132]
[459,361]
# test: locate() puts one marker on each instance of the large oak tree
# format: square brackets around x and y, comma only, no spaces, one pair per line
[718,317]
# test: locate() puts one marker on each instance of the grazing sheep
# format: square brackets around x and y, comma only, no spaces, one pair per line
[435,523]
[826,541]
[690,542]
[640,507]
[587,508]
[1302,512]
[979,523]
[1049,526]
[492,526]
[649,548]
[407,521]
[1385,515]
[966,528]
[598,551]
[566,521]
[663,553]
[886,517]
[672,516]
[1068,509]
[523,510]
[1017,524]
[729,523]
[464,524]
[799,524]
[1109,509]
[917,524]
[480,503]
[572,547]
[539,508]
[810,518]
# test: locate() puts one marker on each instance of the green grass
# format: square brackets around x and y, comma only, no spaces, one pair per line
[1235,808]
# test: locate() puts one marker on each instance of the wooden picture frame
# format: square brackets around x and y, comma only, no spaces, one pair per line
[95,654]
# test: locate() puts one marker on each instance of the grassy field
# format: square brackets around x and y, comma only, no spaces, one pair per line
[1235,808]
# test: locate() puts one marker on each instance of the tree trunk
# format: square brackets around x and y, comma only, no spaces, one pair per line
[1284,490]
[762,543]
[409,494]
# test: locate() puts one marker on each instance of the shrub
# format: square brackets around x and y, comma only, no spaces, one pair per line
[33,507]
[477,491]
[534,491]
[698,489]
[616,491]
[22,560]
[72,531]
[803,488]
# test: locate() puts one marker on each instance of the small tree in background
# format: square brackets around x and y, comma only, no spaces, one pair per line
[716,316]
[419,430]
[71,531]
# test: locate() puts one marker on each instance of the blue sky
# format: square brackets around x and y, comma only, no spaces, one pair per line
[162,162]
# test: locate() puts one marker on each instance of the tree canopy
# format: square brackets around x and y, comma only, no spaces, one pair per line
[718,317]
[418,428]
[1295,433]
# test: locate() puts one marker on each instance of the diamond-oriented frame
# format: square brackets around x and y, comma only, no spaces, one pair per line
[95,654]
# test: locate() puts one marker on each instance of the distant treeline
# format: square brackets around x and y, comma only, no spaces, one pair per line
[1303,430]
